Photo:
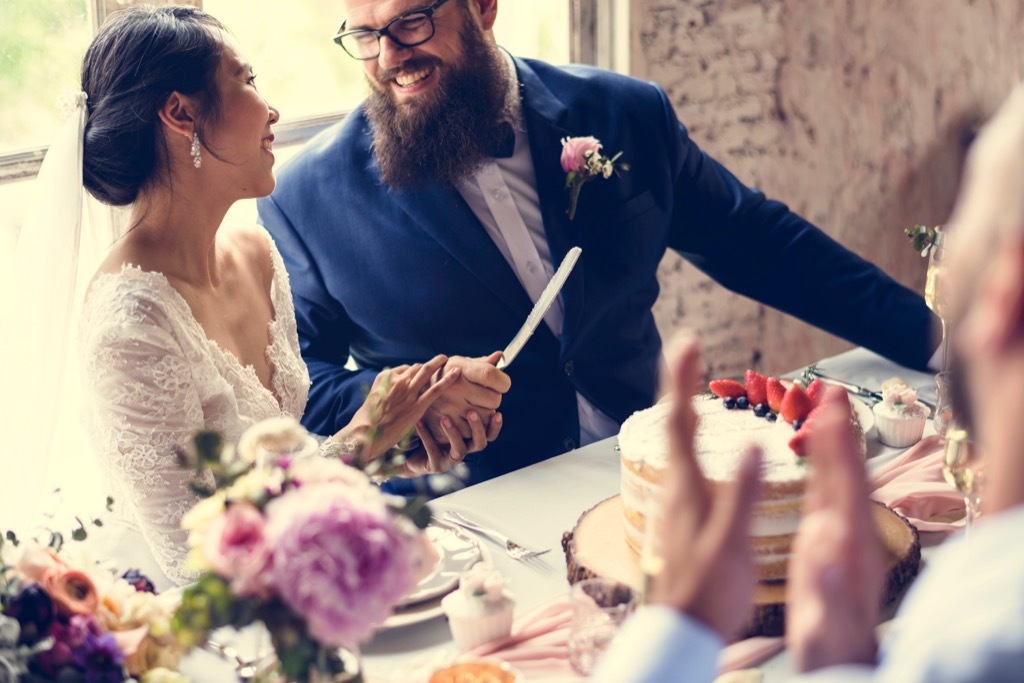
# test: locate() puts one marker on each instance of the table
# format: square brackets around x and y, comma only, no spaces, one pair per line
[535,505]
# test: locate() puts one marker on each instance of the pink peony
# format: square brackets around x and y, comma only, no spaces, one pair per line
[340,563]
[574,153]
[235,545]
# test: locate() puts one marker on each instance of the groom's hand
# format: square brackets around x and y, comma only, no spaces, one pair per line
[475,395]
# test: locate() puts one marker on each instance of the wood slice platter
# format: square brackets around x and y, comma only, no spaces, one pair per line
[597,547]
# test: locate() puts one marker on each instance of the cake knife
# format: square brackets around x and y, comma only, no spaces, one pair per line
[547,297]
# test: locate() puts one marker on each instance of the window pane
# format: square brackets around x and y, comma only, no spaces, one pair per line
[42,43]
[299,68]
[534,28]
[303,72]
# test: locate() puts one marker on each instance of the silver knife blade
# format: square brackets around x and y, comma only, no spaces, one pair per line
[547,297]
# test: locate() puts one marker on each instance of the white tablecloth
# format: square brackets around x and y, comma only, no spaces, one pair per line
[535,505]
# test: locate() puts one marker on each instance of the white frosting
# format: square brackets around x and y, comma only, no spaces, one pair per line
[722,438]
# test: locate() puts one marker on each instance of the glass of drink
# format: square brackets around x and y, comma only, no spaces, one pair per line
[935,288]
[963,471]
[599,606]
[943,418]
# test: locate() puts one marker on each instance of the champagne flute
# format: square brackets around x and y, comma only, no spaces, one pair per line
[935,294]
[963,471]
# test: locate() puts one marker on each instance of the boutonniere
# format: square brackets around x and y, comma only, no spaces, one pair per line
[582,161]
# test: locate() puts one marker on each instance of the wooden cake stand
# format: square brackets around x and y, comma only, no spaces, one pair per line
[597,547]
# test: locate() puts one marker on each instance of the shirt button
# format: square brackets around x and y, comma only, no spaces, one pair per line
[500,195]
[531,266]
[569,443]
[568,367]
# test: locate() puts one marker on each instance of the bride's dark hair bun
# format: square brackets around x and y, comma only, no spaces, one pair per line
[136,61]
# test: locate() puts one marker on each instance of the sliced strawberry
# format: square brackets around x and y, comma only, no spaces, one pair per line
[775,393]
[795,404]
[816,391]
[838,396]
[798,444]
[727,388]
[757,390]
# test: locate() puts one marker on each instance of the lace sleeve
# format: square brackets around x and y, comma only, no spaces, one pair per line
[141,402]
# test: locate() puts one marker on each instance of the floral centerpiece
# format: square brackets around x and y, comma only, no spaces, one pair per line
[65,618]
[307,545]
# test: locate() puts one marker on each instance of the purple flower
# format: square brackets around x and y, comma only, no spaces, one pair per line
[34,610]
[100,659]
[139,581]
[338,560]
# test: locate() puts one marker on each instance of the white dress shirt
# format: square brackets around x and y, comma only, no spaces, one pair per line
[963,620]
[503,196]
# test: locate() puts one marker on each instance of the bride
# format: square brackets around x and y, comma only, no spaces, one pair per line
[188,324]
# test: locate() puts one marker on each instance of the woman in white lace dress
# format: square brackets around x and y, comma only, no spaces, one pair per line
[189,324]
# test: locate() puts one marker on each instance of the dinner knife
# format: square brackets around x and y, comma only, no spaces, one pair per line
[547,297]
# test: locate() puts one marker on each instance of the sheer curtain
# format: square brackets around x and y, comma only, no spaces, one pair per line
[58,249]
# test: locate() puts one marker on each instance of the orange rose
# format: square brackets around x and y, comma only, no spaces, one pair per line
[72,590]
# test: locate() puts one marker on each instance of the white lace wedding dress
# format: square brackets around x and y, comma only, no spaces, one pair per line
[152,378]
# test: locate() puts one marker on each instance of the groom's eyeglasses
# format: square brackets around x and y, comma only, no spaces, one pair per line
[406,30]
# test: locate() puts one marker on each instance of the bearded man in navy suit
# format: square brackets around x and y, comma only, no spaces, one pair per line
[430,220]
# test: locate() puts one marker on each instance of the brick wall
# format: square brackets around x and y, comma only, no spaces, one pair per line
[853,112]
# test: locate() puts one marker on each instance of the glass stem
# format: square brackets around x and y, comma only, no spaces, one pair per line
[945,345]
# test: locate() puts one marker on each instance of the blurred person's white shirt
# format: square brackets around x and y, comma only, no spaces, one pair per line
[963,620]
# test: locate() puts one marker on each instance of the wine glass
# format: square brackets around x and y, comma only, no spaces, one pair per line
[964,472]
[935,289]
[943,417]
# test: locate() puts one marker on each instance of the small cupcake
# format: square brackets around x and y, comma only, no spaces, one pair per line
[480,610]
[899,417]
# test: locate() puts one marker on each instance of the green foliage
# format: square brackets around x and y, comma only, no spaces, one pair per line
[923,238]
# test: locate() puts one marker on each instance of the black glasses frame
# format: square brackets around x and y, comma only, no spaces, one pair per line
[427,12]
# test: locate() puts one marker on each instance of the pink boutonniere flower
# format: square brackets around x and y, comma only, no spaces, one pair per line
[582,161]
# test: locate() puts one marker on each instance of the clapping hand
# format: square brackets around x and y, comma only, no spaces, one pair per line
[709,570]
[835,574]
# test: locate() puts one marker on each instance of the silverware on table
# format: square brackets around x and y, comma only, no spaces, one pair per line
[868,395]
[515,550]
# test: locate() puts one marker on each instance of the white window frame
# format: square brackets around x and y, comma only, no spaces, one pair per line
[598,32]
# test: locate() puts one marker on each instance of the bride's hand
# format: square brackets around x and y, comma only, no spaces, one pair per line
[433,456]
[397,401]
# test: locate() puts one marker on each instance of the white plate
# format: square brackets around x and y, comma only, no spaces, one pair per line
[864,415]
[457,552]
[455,555]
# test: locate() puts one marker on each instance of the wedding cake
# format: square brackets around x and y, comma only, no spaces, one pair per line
[728,423]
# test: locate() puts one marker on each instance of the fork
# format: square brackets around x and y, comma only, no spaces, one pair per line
[515,551]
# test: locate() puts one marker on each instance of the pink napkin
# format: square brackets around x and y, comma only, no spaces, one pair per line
[912,484]
[538,646]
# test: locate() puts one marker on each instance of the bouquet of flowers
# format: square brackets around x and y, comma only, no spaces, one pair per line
[64,618]
[305,544]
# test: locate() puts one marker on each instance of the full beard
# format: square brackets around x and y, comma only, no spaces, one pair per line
[447,137]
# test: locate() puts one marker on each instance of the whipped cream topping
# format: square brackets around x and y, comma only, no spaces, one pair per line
[722,438]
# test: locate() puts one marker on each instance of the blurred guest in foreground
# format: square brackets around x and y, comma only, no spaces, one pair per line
[963,620]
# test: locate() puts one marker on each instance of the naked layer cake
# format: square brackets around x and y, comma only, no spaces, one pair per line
[728,423]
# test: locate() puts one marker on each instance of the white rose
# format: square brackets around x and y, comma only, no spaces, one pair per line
[202,513]
[162,675]
[277,435]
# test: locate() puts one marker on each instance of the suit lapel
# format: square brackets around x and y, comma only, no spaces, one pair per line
[445,216]
[546,118]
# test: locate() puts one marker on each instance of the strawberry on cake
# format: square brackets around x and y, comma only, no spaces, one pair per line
[774,414]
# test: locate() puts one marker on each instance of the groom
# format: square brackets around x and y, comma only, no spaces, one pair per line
[432,217]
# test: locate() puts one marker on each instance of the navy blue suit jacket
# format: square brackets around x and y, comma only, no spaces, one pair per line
[396,276]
